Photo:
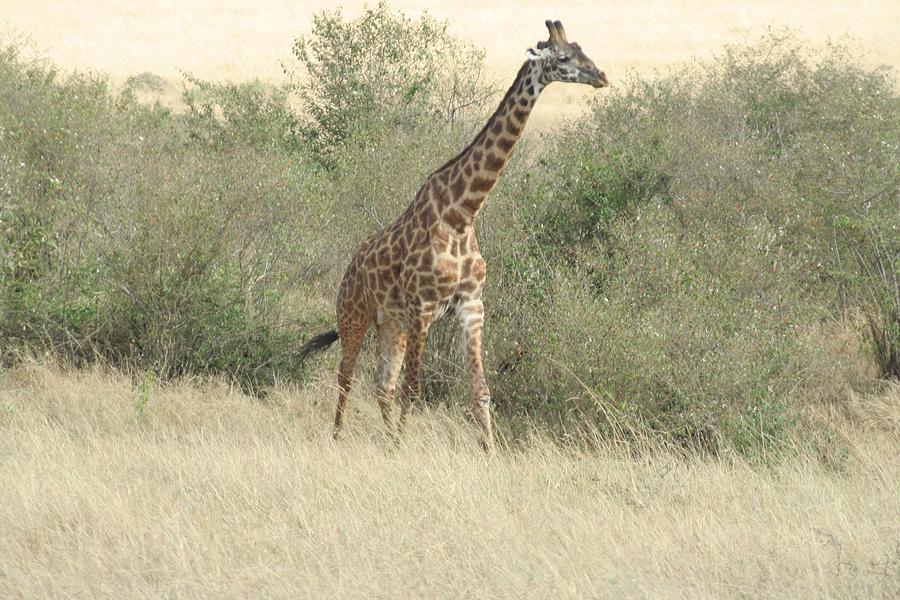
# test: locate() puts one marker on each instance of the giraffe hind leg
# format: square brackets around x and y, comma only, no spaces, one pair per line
[353,329]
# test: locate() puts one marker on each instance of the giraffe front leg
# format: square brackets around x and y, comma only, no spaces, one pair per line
[419,323]
[391,348]
[471,320]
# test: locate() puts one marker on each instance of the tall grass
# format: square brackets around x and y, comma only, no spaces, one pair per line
[111,489]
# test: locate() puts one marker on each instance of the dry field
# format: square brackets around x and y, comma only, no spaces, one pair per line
[115,488]
[236,39]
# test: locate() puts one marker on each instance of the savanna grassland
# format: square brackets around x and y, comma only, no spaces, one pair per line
[197,491]
[237,40]
[693,311]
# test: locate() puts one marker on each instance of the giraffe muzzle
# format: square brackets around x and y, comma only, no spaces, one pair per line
[600,80]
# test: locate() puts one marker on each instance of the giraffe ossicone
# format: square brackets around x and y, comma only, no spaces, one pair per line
[426,264]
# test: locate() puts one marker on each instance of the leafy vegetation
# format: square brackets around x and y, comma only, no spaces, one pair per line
[385,69]
[679,264]
[688,237]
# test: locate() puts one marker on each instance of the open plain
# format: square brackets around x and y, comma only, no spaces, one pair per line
[239,40]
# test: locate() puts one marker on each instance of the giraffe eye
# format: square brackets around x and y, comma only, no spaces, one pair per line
[563,59]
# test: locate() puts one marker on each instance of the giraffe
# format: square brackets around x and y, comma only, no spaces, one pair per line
[427,265]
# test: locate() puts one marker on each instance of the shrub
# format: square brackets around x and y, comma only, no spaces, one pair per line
[146,81]
[384,67]
[221,114]
[684,239]
[125,236]
[879,260]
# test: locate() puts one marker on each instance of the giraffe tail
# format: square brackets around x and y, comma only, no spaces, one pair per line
[321,341]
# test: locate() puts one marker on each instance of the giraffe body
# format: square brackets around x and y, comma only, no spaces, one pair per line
[401,280]
[427,264]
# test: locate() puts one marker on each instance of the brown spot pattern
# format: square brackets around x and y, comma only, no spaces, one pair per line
[473,203]
[493,163]
[455,220]
[482,184]
[459,186]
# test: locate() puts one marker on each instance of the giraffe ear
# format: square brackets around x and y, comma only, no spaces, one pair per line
[537,54]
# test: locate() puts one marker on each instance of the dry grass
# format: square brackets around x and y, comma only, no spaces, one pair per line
[239,40]
[111,488]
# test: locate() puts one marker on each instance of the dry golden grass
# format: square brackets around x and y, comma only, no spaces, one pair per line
[235,39]
[111,488]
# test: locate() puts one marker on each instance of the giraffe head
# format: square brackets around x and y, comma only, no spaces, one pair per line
[563,60]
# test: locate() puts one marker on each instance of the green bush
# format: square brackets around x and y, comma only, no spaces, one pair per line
[879,290]
[383,67]
[126,236]
[685,238]
[676,264]
[221,114]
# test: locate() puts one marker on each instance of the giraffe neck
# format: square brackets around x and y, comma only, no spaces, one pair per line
[460,187]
